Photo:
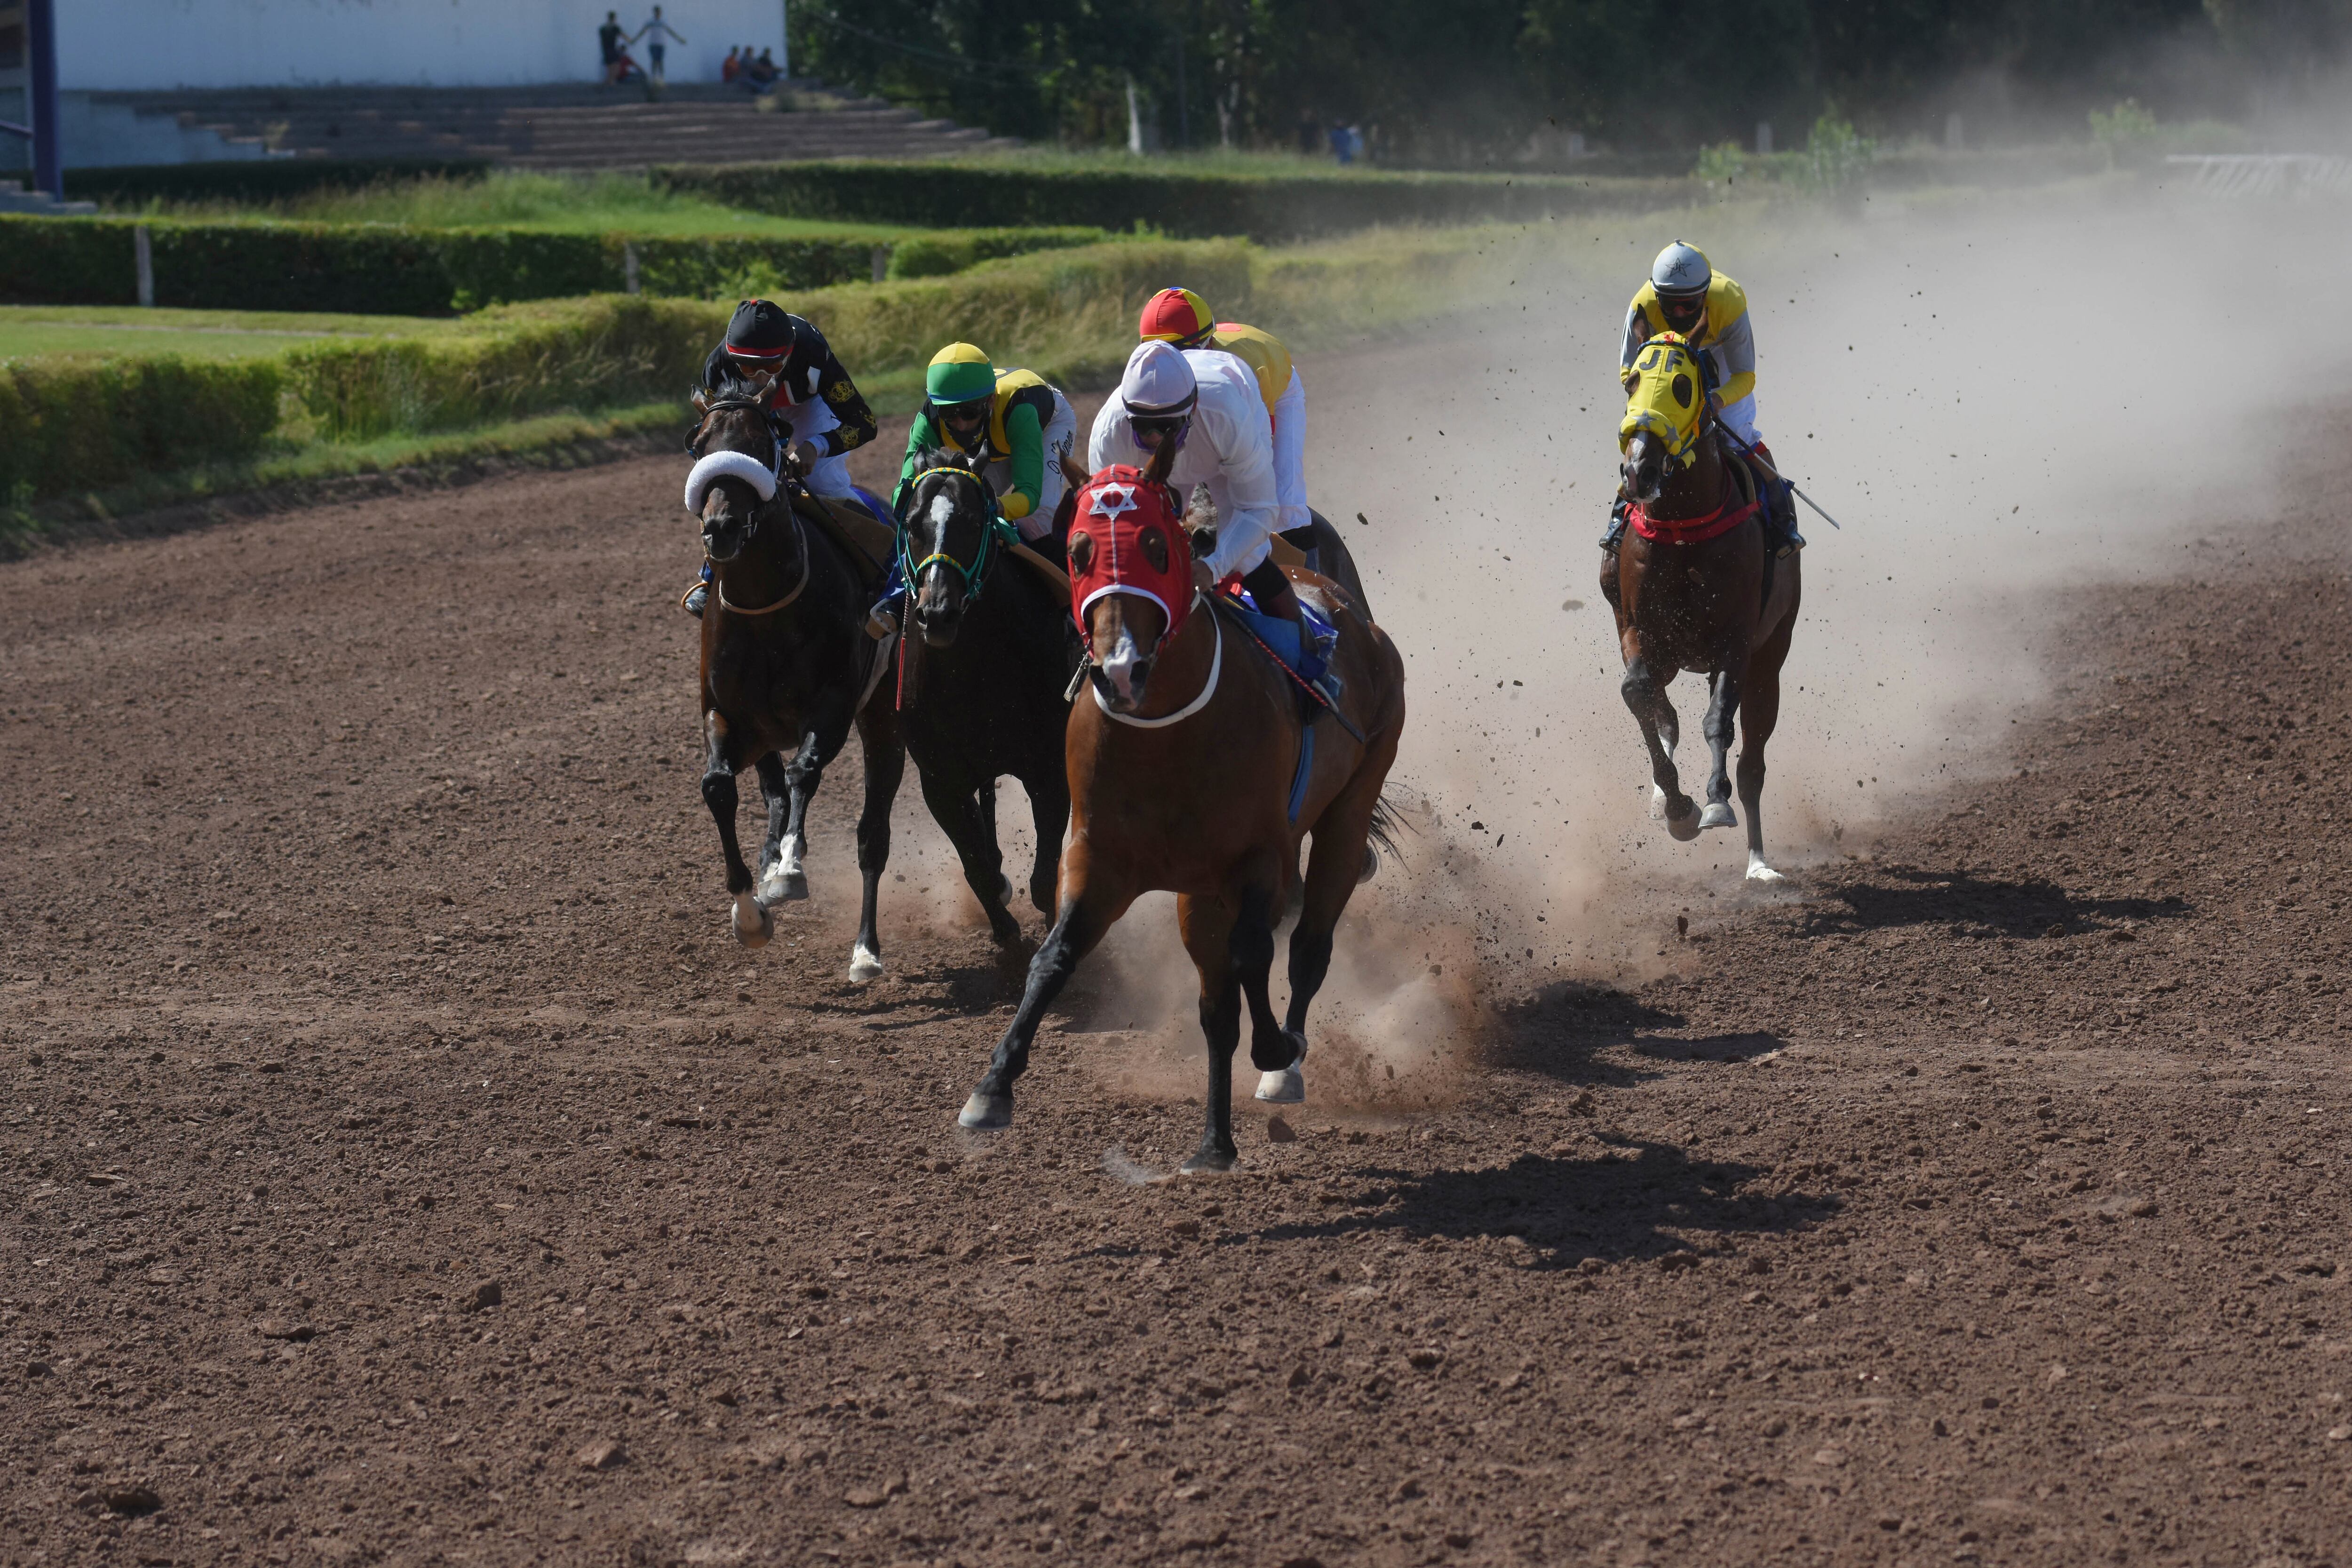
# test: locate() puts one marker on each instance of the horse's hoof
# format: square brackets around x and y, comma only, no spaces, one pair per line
[865,963]
[1287,1086]
[1717,814]
[1209,1162]
[1657,802]
[1759,872]
[985,1112]
[784,887]
[1371,866]
[1683,826]
[752,922]
[1005,890]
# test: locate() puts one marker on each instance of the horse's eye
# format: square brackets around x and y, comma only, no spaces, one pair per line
[1683,390]
[1155,550]
[1082,550]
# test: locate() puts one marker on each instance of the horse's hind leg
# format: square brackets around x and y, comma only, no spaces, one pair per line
[1212,930]
[773,889]
[1049,812]
[886,764]
[784,876]
[1087,914]
[1645,690]
[752,922]
[963,815]
[1722,711]
[1334,868]
[1761,713]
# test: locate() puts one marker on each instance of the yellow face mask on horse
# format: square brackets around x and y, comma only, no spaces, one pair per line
[1665,395]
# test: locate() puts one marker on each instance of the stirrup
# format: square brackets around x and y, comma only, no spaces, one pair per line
[695,599]
[882,619]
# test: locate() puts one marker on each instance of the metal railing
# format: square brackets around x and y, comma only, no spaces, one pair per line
[2242,174]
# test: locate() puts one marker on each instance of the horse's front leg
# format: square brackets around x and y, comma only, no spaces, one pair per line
[1645,690]
[886,764]
[1089,907]
[753,925]
[773,889]
[802,775]
[1722,713]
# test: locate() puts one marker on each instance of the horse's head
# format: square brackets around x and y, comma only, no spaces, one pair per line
[735,454]
[1131,574]
[946,523]
[1665,414]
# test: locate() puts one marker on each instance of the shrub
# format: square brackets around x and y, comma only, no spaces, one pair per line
[73,425]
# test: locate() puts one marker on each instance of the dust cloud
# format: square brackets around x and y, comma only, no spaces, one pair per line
[1996,396]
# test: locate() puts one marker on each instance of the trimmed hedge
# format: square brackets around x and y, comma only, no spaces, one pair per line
[74,425]
[381,270]
[1269,208]
[258,179]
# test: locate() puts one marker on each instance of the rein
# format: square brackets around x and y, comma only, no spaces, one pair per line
[808,566]
[976,574]
[1207,687]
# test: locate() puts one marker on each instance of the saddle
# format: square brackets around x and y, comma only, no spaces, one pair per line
[1750,481]
[867,542]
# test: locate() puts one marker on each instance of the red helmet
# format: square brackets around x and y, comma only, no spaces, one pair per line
[1176,316]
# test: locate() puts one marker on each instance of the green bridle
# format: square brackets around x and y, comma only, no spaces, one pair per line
[995,531]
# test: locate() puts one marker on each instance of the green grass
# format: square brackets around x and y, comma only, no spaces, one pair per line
[552,204]
[105,330]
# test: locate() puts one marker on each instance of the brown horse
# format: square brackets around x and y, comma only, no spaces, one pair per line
[1183,759]
[1691,590]
[786,665]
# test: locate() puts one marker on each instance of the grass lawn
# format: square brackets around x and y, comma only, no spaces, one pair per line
[107,329]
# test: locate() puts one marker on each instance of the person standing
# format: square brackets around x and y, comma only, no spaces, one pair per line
[658,35]
[608,39]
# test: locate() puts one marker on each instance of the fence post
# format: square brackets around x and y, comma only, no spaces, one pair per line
[1763,136]
[629,266]
[881,259]
[142,252]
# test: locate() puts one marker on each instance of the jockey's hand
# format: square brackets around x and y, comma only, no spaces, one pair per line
[1203,578]
[803,456]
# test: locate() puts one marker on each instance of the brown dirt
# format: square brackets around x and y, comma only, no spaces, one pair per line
[401,1163]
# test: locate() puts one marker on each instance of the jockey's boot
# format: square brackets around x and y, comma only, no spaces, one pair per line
[1780,535]
[696,599]
[1616,531]
[883,618]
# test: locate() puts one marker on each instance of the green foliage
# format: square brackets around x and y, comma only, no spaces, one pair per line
[1269,208]
[387,271]
[75,425]
[1724,164]
[258,181]
[953,250]
[2120,127]
[1834,156]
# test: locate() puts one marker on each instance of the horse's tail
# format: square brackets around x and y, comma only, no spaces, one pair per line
[1386,820]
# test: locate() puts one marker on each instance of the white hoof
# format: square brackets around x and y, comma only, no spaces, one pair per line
[784,881]
[752,922]
[1371,866]
[1286,1086]
[1718,814]
[1759,872]
[865,963]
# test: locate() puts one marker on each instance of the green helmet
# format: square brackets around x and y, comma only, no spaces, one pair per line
[959,374]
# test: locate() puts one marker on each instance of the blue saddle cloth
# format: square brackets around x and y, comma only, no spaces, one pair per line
[874,504]
[1282,638]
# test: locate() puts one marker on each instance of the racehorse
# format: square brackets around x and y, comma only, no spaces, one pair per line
[984,664]
[1185,775]
[1695,589]
[786,663]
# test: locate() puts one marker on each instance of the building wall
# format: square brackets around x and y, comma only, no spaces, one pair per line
[125,45]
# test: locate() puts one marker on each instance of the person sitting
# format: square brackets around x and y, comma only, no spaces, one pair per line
[1180,317]
[819,416]
[729,68]
[763,70]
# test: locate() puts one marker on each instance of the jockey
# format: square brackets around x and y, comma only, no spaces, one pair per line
[1180,317]
[1018,425]
[818,416]
[1207,402]
[1021,427]
[1687,295]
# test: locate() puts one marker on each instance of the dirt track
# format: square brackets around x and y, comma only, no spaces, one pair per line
[365,963]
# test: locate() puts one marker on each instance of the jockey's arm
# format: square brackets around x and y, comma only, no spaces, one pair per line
[1637,333]
[1026,462]
[1243,440]
[1734,353]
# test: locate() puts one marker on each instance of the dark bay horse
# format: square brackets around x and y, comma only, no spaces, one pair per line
[1183,759]
[983,676]
[1689,585]
[786,665]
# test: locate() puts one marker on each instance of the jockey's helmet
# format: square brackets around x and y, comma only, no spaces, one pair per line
[961,387]
[759,334]
[1680,277]
[1159,392]
[1177,316]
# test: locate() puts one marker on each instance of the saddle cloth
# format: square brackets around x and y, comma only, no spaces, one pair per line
[870,542]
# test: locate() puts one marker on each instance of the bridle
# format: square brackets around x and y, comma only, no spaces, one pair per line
[775,467]
[975,574]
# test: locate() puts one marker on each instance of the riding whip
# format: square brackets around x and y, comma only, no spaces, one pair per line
[1768,467]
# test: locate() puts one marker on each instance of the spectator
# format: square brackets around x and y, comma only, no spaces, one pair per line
[608,40]
[1343,143]
[763,70]
[1310,134]
[729,68]
[658,35]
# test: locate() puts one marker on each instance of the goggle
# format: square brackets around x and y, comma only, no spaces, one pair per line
[960,414]
[1683,307]
[1150,429]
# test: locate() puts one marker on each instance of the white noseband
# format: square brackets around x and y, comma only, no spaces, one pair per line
[736,465]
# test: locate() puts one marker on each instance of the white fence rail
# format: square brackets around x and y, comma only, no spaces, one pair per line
[2288,174]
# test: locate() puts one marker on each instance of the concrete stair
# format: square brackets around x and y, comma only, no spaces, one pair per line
[564,126]
[15,198]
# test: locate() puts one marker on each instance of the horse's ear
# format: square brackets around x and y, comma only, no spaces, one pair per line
[1156,471]
[702,400]
[763,384]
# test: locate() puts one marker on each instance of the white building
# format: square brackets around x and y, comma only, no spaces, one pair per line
[116,45]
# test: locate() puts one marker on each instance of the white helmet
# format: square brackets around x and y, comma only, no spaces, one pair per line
[1159,382]
[1680,272]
